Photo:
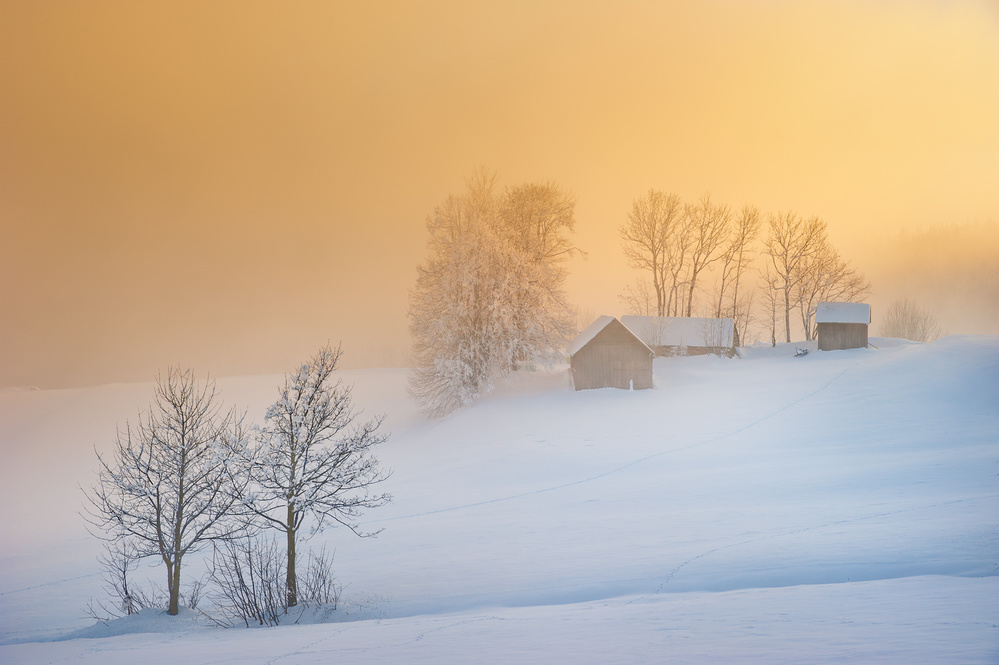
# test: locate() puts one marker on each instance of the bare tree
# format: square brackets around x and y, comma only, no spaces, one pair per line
[792,242]
[649,240]
[772,298]
[312,459]
[735,259]
[118,561]
[825,277]
[676,244]
[639,298]
[709,229]
[171,486]
[907,320]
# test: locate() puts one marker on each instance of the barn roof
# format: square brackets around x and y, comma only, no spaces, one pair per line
[591,331]
[681,330]
[842,312]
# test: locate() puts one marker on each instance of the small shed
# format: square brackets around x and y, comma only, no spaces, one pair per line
[684,335]
[842,325]
[608,355]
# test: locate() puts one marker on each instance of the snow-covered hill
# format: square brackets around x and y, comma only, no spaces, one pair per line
[841,506]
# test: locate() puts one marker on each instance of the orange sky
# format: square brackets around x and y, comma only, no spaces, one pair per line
[227,185]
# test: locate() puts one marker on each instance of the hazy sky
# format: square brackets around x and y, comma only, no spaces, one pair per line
[227,185]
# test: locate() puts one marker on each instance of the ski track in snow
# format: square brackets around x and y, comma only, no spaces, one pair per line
[45,584]
[619,469]
[305,649]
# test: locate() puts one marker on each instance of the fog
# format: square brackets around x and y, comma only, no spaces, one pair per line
[228,186]
[950,270]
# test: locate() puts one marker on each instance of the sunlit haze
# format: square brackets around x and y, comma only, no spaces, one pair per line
[228,185]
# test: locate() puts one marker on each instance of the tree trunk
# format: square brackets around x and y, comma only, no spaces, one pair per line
[690,295]
[173,579]
[292,580]
[787,312]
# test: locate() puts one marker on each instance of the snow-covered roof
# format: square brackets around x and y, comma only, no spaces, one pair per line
[681,330]
[842,312]
[591,331]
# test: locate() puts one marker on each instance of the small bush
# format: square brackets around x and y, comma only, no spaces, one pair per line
[249,575]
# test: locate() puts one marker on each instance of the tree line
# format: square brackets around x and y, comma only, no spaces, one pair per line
[677,245]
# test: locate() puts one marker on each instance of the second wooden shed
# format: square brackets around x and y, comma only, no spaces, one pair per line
[842,325]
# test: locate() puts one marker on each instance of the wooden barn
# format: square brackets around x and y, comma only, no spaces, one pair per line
[608,355]
[842,325]
[684,335]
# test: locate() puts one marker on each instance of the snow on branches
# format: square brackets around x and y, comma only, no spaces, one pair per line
[489,298]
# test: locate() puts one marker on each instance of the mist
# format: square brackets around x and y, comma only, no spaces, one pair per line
[950,270]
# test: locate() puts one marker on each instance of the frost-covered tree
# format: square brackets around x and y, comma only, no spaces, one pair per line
[907,320]
[313,459]
[172,483]
[489,298]
[535,223]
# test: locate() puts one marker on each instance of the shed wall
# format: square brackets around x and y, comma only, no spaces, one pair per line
[615,358]
[835,336]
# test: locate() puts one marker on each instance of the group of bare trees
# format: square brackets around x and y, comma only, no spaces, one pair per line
[676,245]
[804,269]
[489,298]
[189,474]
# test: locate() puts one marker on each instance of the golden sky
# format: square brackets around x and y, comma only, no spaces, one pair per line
[227,185]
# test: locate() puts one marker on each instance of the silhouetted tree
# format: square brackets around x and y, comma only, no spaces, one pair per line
[736,258]
[790,245]
[653,241]
[708,227]
[825,277]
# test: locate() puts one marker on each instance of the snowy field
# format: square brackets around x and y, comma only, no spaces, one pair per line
[837,507]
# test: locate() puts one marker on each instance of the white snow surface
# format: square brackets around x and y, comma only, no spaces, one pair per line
[842,312]
[680,330]
[837,507]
